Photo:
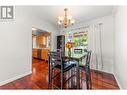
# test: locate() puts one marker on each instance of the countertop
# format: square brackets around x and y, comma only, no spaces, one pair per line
[40,48]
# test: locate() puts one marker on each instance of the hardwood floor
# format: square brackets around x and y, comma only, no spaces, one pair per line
[39,79]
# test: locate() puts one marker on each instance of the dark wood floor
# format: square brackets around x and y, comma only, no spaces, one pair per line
[39,79]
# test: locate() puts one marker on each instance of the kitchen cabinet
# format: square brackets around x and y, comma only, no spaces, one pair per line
[44,54]
[41,39]
[34,53]
[40,53]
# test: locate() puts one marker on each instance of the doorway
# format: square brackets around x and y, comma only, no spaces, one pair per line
[41,45]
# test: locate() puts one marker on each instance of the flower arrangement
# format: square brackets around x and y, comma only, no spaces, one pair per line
[69,45]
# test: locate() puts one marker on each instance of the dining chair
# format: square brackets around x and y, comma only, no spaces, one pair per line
[85,69]
[56,62]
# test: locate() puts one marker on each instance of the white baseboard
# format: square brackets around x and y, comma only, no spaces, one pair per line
[118,82]
[103,71]
[14,78]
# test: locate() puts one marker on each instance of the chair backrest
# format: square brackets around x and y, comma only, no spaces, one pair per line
[54,54]
[88,58]
[55,58]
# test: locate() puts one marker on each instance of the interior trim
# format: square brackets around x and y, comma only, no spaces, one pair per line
[14,78]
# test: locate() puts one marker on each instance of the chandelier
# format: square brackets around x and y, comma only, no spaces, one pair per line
[65,20]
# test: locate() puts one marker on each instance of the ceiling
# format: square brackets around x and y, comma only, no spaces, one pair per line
[36,32]
[79,13]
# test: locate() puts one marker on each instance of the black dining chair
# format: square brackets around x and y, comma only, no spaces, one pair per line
[57,62]
[85,69]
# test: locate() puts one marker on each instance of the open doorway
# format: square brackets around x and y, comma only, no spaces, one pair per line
[41,45]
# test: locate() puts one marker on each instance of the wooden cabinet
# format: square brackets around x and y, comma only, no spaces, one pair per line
[44,54]
[34,53]
[41,39]
[40,53]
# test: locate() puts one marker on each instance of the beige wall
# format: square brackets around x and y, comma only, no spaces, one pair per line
[120,66]
[16,43]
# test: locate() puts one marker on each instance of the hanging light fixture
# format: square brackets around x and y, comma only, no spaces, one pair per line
[65,20]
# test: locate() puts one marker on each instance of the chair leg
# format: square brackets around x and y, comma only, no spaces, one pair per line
[51,75]
[75,79]
[80,72]
[90,80]
[49,79]
[70,83]
[62,79]
[67,78]
[71,80]
[87,81]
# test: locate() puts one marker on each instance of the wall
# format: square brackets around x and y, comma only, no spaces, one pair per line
[16,43]
[34,42]
[107,40]
[120,66]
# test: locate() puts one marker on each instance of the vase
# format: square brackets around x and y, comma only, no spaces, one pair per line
[69,52]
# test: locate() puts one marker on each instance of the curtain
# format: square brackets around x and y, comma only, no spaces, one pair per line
[95,44]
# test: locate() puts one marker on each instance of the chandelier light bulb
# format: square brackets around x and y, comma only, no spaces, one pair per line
[60,18]
[72,21]
[59,23]
[69,17]
[65,20]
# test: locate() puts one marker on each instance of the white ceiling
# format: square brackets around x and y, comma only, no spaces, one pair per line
[79,13]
